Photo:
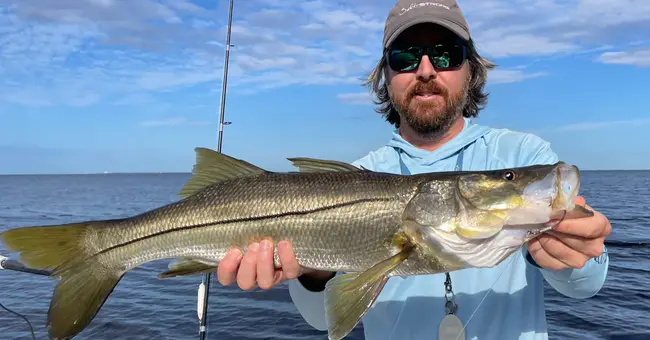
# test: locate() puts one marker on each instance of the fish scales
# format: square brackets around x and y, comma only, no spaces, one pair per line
[351,230]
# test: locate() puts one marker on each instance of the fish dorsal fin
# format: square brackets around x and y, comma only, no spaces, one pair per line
[321,165]
[213,167]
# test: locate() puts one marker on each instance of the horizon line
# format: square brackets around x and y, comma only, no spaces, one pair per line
[189,173]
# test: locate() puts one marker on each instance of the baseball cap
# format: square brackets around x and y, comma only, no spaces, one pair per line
[407,13]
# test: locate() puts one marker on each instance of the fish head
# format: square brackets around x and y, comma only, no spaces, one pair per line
[520,196]
[493,213]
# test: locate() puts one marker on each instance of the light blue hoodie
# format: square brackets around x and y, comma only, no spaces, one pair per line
[412,307]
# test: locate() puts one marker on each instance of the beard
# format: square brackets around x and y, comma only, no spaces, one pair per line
[431,119]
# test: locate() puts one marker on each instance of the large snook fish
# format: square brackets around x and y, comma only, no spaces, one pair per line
[338,217]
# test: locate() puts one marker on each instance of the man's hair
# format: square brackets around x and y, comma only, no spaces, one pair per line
[476,97]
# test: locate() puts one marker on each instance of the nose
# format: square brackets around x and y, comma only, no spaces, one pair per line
[426,71]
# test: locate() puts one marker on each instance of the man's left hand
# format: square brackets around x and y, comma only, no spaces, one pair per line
[572,242]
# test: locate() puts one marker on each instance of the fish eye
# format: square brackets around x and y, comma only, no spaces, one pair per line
[509,175]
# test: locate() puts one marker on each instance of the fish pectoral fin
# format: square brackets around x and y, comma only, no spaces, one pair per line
[187,267]
[349,296]
[213,167]
[481,225]
[321,165]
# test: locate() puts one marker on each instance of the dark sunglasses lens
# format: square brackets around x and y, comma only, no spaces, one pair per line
[404,59]
[448,55]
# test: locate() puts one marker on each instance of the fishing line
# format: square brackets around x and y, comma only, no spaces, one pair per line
[487,293]
[31,329]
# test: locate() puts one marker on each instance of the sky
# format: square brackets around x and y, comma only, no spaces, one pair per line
[91,86]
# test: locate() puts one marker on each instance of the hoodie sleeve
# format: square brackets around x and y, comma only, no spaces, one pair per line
[310,303]
[576,283]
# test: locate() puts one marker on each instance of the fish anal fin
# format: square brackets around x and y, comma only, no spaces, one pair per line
[212,167]
[321,165]
[187,267]
[349,296]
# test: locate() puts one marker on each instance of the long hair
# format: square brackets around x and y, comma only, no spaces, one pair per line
[476,97]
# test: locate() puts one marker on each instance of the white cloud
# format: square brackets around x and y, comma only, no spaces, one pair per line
[356,98]
[524,45]
[173,121]
[80,53]
[499,76]
[589,126]
[636,57]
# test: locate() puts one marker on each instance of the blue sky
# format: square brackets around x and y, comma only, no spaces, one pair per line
[132,86]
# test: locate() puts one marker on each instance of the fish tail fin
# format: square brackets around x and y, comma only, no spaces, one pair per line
[85,282]
[79,296]
[47,247]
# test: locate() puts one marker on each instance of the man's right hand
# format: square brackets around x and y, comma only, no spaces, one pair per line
[255,268]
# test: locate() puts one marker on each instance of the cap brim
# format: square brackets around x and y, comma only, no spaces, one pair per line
[455,28]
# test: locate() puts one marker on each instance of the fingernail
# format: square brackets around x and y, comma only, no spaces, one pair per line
[235,253]
[254,246]
[266,245]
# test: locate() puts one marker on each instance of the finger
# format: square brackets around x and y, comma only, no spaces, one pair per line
[247,274]
[290,266]
[588,227]
[227,269]
[561,252]
[542,258]
[278,277]
[588,247]
[265,267]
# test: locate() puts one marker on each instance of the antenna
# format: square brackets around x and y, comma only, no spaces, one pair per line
[204,288]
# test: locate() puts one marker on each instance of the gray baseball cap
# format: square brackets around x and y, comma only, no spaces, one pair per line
[407,13]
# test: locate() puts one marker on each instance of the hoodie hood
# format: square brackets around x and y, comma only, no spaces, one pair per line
[468,135]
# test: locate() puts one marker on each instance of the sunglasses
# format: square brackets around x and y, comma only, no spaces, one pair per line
[444,56]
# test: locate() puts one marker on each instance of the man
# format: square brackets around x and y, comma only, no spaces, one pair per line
[430,100]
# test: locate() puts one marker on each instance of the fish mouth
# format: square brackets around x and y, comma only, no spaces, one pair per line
[552,197]
[567,186]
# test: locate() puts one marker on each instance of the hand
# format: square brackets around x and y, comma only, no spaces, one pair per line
[256,268]
[572,242]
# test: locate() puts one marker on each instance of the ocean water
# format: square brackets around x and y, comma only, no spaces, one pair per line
[144,307]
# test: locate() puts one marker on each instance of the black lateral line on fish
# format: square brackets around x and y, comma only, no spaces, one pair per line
[239,220]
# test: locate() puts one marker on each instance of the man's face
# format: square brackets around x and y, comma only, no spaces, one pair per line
[429,100]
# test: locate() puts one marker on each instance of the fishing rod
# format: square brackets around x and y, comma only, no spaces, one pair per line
[9,264]
[204,287]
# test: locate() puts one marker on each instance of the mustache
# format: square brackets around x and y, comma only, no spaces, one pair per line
[427,87]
